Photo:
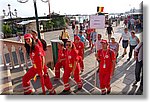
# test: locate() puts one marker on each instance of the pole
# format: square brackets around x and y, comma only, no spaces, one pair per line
[49,8]
[36,17]
[10,13]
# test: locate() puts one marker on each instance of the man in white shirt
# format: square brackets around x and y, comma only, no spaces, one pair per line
[97,44]
[125,36]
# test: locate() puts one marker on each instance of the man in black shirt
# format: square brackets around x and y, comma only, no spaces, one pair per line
[109,32]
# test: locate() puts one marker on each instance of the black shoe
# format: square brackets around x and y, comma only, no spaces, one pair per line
[122,55]
[104,93]
[108,92]
[128,59]
[79,88]
[134,83]
[66,90]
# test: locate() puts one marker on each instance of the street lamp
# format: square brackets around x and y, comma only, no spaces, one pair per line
[10,13]
[36,14]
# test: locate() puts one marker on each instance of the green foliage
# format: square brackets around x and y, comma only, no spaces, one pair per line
[6,29]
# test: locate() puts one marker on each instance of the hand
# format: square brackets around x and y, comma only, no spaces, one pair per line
[42,72]
[72,74]
[135,58]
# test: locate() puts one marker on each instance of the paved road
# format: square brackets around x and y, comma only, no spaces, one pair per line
[121,82]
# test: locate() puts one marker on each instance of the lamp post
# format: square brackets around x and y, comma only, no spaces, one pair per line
[36,13]
[10,13]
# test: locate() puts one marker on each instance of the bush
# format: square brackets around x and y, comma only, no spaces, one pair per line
[6,30]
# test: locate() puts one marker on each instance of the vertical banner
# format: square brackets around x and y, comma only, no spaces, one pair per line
[97,21]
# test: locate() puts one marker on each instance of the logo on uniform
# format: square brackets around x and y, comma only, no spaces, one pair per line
[106,56]
[69,57]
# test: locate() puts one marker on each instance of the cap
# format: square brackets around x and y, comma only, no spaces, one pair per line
[112,37]
[27,36]
[77,38]
[104,41]
[34,31]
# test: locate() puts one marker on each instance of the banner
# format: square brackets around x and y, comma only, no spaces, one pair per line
[97,21]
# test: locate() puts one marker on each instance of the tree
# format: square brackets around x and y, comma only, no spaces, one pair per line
[6,30]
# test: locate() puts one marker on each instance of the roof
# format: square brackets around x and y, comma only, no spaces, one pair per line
[29,21]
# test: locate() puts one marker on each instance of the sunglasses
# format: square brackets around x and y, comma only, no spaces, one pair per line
[68,44]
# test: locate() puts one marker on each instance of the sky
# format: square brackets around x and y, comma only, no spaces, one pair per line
[68,6]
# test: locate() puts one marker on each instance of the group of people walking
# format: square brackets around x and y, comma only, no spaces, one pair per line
[71,56]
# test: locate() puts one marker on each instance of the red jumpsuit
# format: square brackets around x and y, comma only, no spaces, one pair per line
[88,32]
[36,57]
[59,64]
[71,57]
[105,66]
[80,48]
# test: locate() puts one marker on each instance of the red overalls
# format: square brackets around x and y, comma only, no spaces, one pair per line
[88,33]
[36,57]
[59,64]
[71,57]
[80,48]
[105,67]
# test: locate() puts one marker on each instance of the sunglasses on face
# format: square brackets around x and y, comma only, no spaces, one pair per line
[68,44]
[27,39]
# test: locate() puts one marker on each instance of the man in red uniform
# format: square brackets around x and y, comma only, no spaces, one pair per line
[61,60]
[39,67]
[107,59]
[72,67]
[80,48]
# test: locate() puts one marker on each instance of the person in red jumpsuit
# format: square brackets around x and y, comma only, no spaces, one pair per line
[88,33]
[39,67]
[107,59]
[61,60]
[80,48]
[72,67]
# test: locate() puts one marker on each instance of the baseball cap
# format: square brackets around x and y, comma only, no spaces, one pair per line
[104,41]
[77,38]
[27,36]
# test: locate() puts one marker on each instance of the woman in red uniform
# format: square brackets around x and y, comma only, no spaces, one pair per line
[80,48]
[107,59]
[39,67]
[61,60]
[72,67]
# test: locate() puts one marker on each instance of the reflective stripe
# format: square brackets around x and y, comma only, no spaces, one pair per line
[66,87]
[80,83]
[51,90]
[103,89]
[66,84]
[25,88]
[25,91]
[34,65]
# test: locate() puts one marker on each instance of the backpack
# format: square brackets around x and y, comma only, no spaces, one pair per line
[44,44]
[60,36]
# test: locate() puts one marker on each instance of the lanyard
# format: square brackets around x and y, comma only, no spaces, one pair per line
[104,65]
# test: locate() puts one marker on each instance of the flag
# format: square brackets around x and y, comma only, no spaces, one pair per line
[100,9]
